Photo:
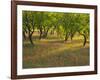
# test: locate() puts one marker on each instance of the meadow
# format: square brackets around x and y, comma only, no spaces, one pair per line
[55,39]
[55,53]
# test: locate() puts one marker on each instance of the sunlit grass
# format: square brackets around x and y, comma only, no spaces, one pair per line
[55,53]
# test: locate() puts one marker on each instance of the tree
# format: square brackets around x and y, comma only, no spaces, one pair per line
[66,23]
[28,24]
[73,27]
[83,26]
[47,24]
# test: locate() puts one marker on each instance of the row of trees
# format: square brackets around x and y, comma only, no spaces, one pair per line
[64,24]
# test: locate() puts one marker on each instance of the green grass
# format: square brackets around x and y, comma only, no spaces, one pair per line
[55,53]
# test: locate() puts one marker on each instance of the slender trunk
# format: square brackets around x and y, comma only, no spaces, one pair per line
[85,39]
[52,32]
[45,33]
[40,34]
[71,37]
[84,43]
[66,37]
[30,38]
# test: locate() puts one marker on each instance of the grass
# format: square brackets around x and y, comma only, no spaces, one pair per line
[55,53]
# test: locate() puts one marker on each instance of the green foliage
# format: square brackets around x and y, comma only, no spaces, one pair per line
[64,25]
[54,29]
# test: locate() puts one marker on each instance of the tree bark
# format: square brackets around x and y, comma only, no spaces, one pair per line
[66,37]
[84,43]
[40,34]
[30,38]
[30,33]
[71,36]
[85,39]
[45,33]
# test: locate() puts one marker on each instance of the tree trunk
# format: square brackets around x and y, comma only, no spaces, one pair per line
[71,37]
[85,39]
[40,34]
[45,33]
[66,37]
[52,32]
[30,38]
[84,43]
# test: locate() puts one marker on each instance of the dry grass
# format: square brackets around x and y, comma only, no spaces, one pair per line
[55,53]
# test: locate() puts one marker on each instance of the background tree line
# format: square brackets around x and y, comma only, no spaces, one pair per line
[66,25]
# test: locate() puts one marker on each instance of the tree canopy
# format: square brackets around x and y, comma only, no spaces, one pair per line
[65,25]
